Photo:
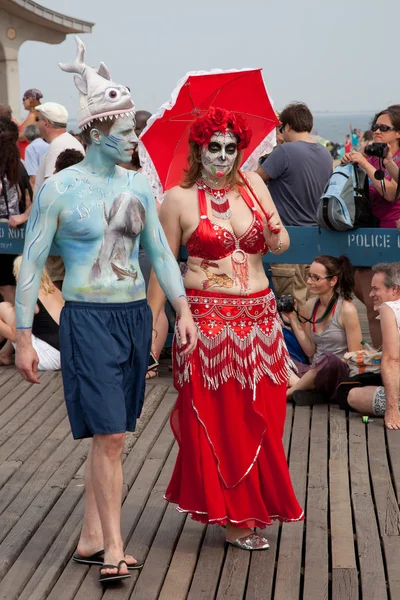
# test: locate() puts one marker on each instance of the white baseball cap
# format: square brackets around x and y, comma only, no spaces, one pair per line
[53,112]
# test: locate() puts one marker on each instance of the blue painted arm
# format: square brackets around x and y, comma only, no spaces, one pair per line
[40,231]
[157,248]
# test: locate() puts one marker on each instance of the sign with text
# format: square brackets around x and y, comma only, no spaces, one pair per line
[12,240]
[364,247]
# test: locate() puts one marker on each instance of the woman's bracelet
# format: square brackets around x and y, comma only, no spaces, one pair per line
[280,244]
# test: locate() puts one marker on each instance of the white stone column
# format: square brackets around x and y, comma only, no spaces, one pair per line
[10,43]
[14,31]
[9,80]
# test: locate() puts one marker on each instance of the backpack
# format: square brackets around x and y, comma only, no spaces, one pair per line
[345,202]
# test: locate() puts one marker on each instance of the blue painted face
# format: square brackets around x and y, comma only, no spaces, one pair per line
[118,145]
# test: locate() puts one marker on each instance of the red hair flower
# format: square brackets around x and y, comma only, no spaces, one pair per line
[219,119]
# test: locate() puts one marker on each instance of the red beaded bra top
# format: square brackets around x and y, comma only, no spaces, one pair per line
[212,241]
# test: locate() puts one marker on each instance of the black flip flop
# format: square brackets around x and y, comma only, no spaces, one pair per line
[98,559]
[94,559]
[107,578]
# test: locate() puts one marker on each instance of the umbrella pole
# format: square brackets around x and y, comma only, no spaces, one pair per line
[247,182]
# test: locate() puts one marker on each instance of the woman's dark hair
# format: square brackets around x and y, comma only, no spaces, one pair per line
[298,116]
[9,154]
[67,158]
[195,167]
[342,269]
[393,113]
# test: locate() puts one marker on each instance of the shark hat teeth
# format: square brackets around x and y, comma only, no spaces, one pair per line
[130,114]
[99,97]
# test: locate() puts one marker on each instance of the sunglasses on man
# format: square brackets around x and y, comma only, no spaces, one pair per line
[382,128]
[281,127]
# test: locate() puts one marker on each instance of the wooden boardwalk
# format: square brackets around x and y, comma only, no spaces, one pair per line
[346,475]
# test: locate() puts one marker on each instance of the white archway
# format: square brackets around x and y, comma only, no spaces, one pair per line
[23,20]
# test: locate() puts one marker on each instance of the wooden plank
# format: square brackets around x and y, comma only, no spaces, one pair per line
[287,433]
[287,585]
[206,576]
[27,523]
[393,442]
[153,463]
[24,405]
[52,415]
[391,546]
[7,470]
[338,434]
[384,496]
[234,574]
[134,460]
[342,536]
[157,561]
[33,474]
[262,564]
[316,572]
[8,386]
[36,548]
[6,373]
[153,398]
[72,578]
[69,579]
[373,584]
[30,418]
[180,573]
[344,566]
[386,503]
[11,392]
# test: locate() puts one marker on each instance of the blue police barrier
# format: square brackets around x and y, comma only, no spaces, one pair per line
[364,247]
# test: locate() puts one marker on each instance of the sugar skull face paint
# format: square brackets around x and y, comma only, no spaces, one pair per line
[219,156]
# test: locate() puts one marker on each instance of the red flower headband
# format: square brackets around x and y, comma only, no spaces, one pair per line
[219,119]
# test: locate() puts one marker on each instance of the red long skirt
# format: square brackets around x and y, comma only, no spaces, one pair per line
[230,414]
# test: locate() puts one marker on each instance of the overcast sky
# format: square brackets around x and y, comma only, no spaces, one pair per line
[335,56]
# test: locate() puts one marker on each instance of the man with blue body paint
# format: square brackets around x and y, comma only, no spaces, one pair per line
[95,213]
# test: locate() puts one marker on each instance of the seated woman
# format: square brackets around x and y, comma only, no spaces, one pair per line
[45,339]
[328,328]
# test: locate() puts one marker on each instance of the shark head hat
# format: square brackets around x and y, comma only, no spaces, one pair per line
[99,97]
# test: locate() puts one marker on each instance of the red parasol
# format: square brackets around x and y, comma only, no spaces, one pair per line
[166,136]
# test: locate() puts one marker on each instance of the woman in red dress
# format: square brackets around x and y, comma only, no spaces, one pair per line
[229,416]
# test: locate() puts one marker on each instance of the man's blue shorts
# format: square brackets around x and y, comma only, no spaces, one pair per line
[105,352]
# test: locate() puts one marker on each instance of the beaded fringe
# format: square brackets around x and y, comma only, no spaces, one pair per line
[247,359]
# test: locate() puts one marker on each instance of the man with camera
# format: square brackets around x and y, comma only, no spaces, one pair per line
[296,173]
[383,401]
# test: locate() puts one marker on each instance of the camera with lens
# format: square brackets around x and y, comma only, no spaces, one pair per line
[285,304]
[377,149]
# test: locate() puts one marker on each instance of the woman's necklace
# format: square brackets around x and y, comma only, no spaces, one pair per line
[219,202]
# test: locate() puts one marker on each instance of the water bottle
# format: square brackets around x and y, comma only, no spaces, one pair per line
[366,346]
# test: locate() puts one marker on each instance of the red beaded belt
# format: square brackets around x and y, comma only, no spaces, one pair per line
[238,337]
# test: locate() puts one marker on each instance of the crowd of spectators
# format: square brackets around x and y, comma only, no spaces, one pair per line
[325,322]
